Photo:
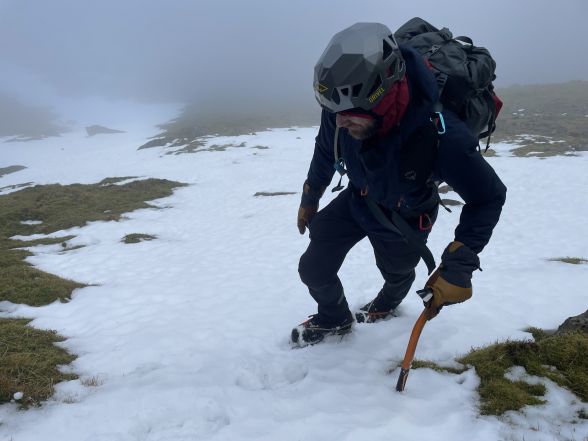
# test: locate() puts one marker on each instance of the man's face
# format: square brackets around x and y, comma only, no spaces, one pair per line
[359,127]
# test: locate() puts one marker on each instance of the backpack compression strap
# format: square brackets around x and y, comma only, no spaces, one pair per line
[397,224]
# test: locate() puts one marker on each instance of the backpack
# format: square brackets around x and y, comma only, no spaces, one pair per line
[464,73]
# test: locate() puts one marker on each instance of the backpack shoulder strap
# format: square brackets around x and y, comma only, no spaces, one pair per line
[339,162]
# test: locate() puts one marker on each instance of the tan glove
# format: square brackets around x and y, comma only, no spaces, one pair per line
[305,215]
[452,282]
[309,205]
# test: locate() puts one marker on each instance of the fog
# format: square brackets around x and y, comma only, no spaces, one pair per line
[232,55]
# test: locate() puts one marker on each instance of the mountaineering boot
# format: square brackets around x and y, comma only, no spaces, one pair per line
[315,329]
[377,309]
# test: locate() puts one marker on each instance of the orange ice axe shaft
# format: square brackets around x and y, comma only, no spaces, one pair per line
[426,295]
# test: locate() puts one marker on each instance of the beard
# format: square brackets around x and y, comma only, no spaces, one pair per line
[363,133]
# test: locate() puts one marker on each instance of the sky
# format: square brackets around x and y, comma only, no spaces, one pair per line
[230,54]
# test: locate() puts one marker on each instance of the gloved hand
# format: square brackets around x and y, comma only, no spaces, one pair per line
[305,215]
[452,282]
[309,205]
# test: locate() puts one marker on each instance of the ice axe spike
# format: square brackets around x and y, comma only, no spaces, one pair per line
[425,294]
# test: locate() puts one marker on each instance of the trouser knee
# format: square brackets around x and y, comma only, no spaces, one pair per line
[311,273]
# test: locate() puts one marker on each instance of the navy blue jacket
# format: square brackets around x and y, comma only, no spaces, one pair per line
[458,162]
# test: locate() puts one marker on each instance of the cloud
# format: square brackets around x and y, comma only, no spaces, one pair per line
[232,54]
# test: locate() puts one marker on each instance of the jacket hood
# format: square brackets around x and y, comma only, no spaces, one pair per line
[423,91]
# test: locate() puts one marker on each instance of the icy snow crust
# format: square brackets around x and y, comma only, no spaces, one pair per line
[186,337]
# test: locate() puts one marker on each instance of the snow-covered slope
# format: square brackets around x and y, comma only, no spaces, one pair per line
[187,335]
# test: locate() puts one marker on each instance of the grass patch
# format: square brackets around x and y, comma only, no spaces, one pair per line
[570,260]
[29,358]
[22,283]
[545,150]
[116,180]
[561,358]
[553,113]
[11,169]
[15,187]
[538,333]
[426,364]
[558,357]
[137,237]
[29,362]
[60,207]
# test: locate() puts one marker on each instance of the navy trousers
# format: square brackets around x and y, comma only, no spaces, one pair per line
[334,230]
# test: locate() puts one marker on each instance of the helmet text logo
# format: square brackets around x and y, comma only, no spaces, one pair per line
[374,96]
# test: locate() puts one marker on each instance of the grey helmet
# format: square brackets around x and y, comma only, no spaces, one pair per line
[357,68]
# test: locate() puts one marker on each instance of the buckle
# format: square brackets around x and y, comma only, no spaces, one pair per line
[425,226]
[437,119]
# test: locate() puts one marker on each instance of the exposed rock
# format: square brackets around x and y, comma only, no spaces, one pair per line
[576,323]
[451,202]
[273,193]
[11,169]
[98,130]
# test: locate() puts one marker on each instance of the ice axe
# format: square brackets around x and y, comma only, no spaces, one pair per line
[426,294]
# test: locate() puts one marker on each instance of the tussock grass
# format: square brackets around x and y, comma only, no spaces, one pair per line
[30,362]
[137,237]
[29,358]
[560,358]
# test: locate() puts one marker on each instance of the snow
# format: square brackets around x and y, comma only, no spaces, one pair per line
[186,337]
[31,222]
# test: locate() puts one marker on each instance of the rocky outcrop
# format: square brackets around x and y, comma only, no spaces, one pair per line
[576,323]
[98,130]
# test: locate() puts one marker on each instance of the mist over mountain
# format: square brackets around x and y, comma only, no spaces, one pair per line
[20,121]
[246,57]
